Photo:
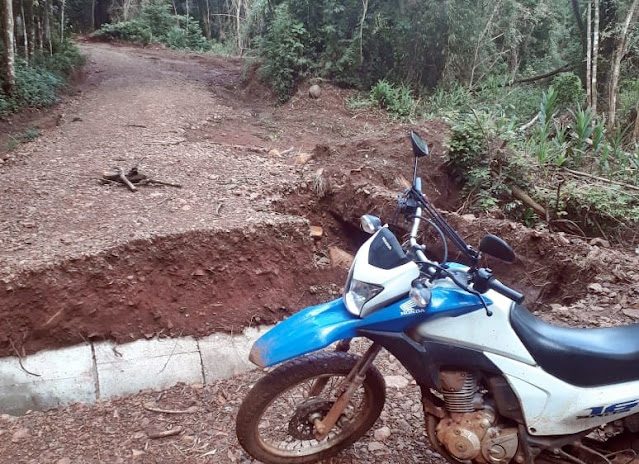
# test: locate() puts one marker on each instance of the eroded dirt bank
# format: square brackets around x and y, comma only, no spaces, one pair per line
[232,247]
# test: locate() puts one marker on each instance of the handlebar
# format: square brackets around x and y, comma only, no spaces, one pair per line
[484,280]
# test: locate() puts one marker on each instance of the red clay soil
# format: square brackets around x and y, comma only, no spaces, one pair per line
[81,260]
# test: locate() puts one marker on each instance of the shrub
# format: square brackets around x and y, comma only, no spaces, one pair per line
[156,23]
[398,101]
[569,89]
[128,31]
[37,82]
[36,86]
[282,49]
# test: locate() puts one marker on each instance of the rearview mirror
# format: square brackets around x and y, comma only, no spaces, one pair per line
[370,224]
[497,248]
[420,147]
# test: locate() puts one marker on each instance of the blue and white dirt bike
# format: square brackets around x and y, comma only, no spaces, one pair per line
[498,385]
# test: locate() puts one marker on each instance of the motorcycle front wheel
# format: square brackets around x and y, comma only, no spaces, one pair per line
[275,421]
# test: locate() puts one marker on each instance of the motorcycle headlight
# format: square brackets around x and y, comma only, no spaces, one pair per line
[358,293]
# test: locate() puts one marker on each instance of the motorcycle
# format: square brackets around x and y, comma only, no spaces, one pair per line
[498,385]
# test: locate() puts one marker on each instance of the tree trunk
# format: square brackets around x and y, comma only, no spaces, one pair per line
[32,28]
[207,21]
[48,14]
[589,56]
[580,24]
[618,54]
[361,32]
[595,56]
[186,3]
[25,36]
[635,132]
[92,24]
[63,7]
[9,70]
[238,26]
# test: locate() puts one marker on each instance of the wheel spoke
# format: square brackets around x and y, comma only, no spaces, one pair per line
[279,418]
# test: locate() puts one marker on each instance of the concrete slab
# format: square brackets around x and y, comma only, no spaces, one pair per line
[64,376]
[146,364]
[224,355]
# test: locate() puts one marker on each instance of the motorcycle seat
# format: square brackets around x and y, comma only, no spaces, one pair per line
[581,357]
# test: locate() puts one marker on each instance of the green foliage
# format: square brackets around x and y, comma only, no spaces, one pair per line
[134,31]
[569,89]
[156,23]
[484,170]
[156,15]
[188,38]
[37,82]
[398,101]
[283,50]
[601,208]
[28,135]
[628,97]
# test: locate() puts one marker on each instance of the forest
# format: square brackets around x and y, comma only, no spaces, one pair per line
[524,85]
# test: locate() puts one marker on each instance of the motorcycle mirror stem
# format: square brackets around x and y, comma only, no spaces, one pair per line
[420,149]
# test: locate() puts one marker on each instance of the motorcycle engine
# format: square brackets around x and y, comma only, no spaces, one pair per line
[470,431]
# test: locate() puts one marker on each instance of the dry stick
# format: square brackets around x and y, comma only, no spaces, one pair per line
[126,181]
[601,179]
[169,411]
[287,151]
[160,182]
[172,351]
[525,198]
[166,433]
[20,359]
[529,123]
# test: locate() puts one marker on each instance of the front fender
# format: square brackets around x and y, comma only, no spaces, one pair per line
[309,330]
[317,327]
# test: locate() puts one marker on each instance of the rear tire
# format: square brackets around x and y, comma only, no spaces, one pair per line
[274,423]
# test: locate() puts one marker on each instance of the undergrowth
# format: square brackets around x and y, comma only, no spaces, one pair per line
[157,24]
[38,82]
[576,175]
[16,139]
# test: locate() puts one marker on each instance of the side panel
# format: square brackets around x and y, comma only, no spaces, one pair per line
[478,331]
[553,407]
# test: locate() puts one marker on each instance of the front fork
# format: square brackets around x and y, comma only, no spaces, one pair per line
[349,386]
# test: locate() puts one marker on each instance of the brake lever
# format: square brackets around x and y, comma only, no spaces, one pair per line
[472,291]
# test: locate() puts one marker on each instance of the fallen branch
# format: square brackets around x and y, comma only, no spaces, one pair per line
[190,410]
[287,151]
[20,359]
[165,433]
[561,69]
[526,200]
[125,180]
[529,123]
[600,179]
[131,178]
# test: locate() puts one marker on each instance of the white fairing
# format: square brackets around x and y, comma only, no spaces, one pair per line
[396,281]
[478,331]
[550,405]
[553,407]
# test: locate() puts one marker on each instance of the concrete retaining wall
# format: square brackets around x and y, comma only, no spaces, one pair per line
[92,371]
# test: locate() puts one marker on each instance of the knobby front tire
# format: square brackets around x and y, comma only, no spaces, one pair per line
[274,423]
